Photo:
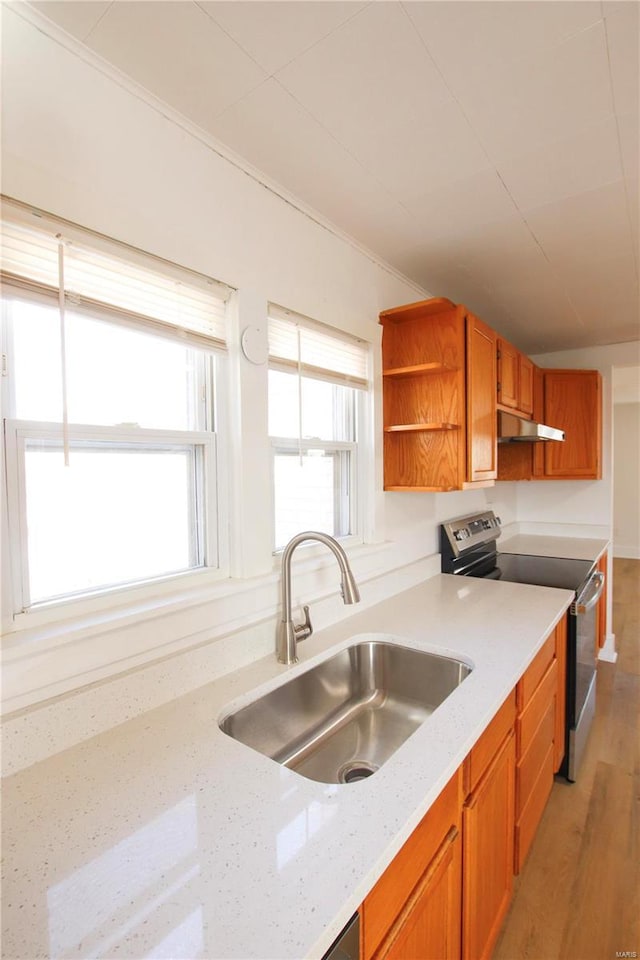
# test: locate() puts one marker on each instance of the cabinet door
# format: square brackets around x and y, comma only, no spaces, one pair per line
[507,374]
[602,605]
[561,694]
[429,926]
[488,831]
[526,385]
[482,437]
[393,900]
[573,402]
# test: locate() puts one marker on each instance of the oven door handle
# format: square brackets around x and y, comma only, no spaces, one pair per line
[584,602]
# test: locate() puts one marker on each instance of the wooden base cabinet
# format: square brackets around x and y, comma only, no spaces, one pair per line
[536,694]
[446,893]
[414,910]
[602,603]
[488,832]
[428,927]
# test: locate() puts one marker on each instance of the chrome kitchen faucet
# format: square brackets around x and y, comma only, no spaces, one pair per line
[289,634]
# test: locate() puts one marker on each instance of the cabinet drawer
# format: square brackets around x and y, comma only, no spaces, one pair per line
[485,749]
[531,717]
[529,767]
[529,819]
[535,672]
[394,887]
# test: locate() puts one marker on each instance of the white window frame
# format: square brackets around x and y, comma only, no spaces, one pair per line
[361,413]
[19,432]
[286,446]
[17,613]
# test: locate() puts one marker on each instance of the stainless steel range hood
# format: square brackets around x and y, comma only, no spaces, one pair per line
[512,429]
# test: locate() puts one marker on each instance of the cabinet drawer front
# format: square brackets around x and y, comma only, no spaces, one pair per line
[531,717]
[529,819]
[388,897]
[529,767]
[487,746]
[535,672]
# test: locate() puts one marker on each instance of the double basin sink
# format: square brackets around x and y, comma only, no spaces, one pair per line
[341,720]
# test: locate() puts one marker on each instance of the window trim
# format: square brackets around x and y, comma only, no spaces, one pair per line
[16,435]
[286,445]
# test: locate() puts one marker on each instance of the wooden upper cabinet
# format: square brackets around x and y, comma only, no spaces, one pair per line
[482,440]
[515,379]
[430,412]
[573,402]
[508,390]
[526,367]
[440,367]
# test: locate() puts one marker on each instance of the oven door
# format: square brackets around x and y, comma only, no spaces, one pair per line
[582,702]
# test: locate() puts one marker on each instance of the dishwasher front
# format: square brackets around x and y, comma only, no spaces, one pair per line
[347,946]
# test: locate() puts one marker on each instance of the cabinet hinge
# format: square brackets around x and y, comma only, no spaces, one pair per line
[4,364]
[499,353]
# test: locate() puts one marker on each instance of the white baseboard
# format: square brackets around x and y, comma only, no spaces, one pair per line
[608,653]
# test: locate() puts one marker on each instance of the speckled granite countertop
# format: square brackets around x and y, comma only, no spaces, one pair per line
[575,548]
[165,838]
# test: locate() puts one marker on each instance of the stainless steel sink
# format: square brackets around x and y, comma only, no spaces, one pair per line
[341,720]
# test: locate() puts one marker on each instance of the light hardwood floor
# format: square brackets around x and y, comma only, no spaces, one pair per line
[578,897]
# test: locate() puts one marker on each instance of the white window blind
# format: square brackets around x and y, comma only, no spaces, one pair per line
[107,275]
[300,344]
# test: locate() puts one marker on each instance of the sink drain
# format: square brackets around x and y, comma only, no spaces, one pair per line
[355,770]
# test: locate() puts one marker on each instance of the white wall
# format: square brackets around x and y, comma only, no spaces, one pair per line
[95,151]
[626,480]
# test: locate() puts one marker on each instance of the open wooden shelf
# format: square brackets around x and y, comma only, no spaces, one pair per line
[418,370]
[419,427]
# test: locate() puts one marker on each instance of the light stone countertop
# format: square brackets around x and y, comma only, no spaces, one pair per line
[575,548]
[165,838]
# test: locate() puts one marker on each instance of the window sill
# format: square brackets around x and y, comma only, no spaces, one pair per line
[224,623]
[123,608]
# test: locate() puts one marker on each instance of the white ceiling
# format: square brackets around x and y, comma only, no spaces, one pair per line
[487,150]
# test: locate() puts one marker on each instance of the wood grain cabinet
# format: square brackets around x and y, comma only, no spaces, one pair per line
[572,401]
[446,893]
[488,834]
[482,441]
[602,604]
[414,911]
[536,736]
[515,379]
[439,374]
[560,635]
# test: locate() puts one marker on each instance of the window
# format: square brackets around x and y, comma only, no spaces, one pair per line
[317,377]
[110,436]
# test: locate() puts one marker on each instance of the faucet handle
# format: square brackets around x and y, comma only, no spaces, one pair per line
[304,630]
